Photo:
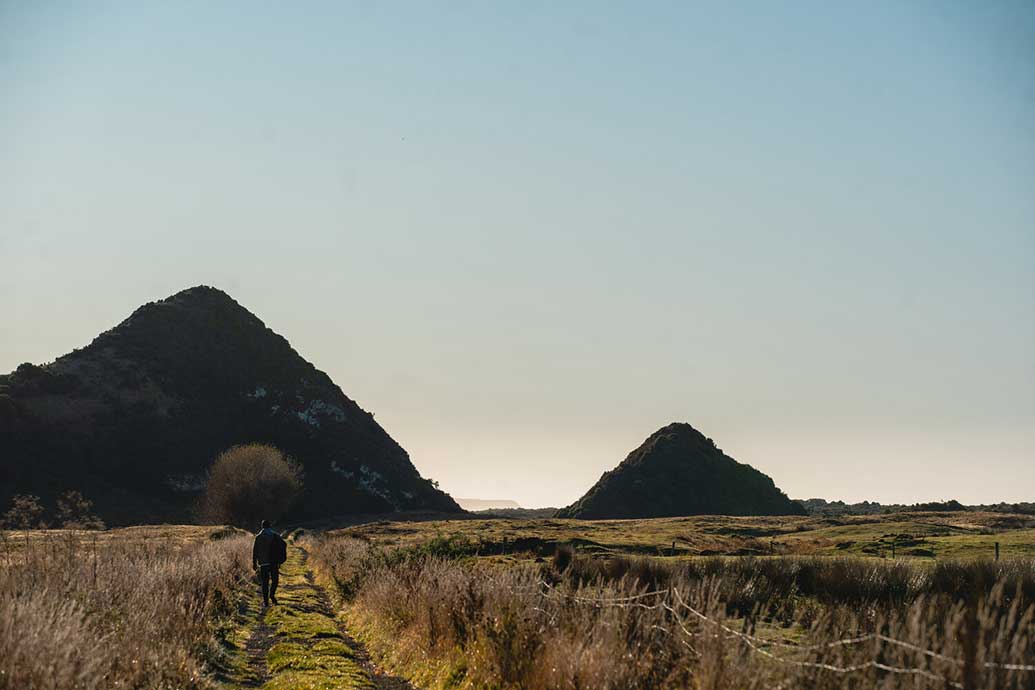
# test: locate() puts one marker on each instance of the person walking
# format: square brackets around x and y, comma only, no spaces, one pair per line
[268,552]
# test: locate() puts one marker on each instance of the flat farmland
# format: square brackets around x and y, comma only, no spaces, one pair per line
[965,535]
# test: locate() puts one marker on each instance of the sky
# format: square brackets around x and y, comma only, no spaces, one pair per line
[527,235]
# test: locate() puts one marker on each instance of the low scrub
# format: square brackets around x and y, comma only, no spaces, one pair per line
[575,622]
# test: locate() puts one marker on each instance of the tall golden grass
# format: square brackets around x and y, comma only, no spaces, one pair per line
[719,623]
[86,614]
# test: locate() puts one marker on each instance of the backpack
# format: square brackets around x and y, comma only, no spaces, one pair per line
[278,550]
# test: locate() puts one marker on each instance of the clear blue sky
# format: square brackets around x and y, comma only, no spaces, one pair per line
[526,235]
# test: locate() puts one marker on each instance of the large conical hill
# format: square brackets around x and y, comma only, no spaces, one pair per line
[134,419]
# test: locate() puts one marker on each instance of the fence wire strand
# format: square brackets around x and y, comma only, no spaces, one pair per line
[758,644]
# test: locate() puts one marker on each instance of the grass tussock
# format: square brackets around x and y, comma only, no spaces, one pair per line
[84,614]
[717,623]
[775,583]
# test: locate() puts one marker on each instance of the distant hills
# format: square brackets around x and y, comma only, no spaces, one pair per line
[134,419]
[517,513]
[476,504]
[678,471]
[503,509]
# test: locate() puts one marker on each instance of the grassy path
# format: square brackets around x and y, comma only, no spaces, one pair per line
[299,644]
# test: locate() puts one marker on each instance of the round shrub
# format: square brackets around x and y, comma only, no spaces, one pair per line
[248,484]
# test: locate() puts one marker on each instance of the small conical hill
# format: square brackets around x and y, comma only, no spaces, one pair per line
[679,471]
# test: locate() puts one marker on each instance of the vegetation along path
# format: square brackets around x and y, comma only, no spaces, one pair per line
[299,644]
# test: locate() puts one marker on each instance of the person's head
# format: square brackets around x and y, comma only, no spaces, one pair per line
[265,524]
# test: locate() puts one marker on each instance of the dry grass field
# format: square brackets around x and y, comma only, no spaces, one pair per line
[916,535]
[530,604]
[133,608]
[907,600]
[171,538]
[740,603]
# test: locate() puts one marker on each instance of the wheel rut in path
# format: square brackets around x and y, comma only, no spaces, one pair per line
[382,680]
[299,644]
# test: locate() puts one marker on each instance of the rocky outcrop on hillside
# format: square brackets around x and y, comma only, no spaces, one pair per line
[679,471]
[134,419]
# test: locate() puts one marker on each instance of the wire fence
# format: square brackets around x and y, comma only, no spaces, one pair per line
[673,602]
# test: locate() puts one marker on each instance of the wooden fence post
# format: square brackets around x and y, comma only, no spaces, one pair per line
[997,551]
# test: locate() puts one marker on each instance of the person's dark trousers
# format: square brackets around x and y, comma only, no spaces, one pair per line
[269,575]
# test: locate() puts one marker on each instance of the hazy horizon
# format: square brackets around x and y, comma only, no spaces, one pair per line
[527,237]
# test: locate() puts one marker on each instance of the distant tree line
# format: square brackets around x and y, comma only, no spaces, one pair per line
[819,506]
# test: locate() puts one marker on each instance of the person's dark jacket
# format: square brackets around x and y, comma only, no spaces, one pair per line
[262,549]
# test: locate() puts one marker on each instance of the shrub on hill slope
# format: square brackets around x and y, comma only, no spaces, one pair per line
[679,471]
